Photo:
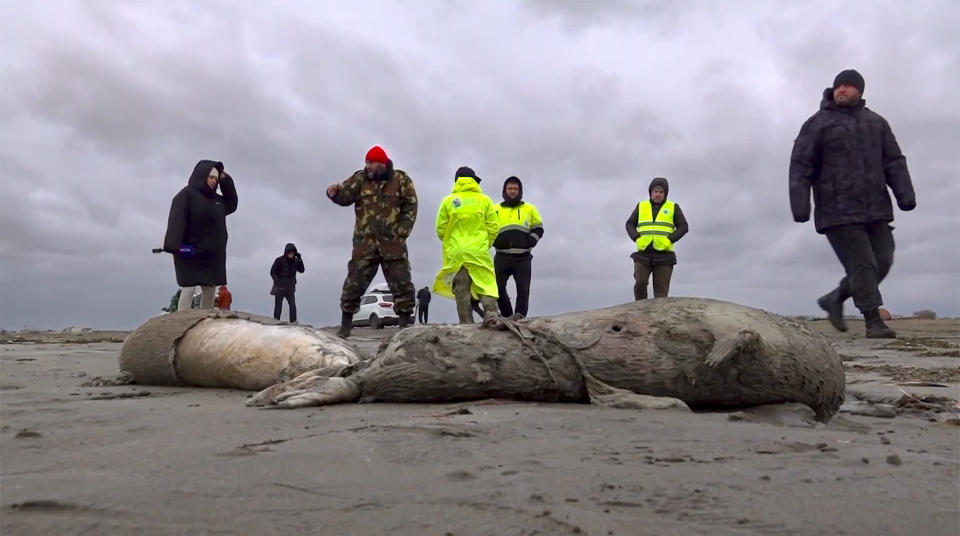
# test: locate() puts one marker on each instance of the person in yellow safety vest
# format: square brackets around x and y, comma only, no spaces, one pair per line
[520,230]
[467,227]
[655,225]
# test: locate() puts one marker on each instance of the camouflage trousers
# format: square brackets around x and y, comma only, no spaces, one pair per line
[360,272]
[465,302]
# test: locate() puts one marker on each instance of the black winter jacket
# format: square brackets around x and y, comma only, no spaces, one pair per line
[198,218]
[284,270]
[848,156]
[423,296]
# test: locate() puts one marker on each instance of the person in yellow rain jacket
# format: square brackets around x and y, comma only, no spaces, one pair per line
[467,226]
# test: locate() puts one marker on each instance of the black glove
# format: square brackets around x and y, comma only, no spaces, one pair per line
[296,255]
[800,218]
[907,204]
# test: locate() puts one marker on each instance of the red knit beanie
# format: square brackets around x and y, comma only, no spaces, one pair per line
[377,154]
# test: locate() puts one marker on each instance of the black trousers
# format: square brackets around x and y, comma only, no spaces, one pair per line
[866,252]
[278,304]
[517,266]
[423,311]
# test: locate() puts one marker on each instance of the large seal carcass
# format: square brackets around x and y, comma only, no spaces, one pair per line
[705,353]
[212,348]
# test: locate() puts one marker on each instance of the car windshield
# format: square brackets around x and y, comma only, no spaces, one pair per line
[388,297]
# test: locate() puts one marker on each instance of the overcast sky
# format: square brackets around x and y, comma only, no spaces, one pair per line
[107,106]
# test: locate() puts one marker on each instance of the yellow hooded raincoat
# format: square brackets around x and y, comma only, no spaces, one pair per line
[467,225]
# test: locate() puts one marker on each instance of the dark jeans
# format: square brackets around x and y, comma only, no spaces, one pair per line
[866,252]
[518,266]
[423,311]
[278,304]
[661,280]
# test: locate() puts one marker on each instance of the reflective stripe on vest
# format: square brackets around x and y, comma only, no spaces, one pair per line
[519,219]
[655,231]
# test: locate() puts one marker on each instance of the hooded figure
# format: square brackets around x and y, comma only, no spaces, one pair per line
[467,227]
[519,231]
[655,225]
[284,273]
[197,230]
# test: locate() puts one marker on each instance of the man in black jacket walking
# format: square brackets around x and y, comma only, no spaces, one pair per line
[284,274]
[848,155]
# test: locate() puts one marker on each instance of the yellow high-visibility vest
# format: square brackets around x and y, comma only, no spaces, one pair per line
[655,231]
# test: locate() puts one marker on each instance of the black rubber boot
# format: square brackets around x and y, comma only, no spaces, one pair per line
[834,307]
[876,329]
[405,320]
[346,324]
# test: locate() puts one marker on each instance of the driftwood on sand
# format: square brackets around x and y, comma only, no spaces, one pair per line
[653,353]
[211,348]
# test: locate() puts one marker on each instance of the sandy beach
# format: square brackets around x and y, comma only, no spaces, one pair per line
[77,459]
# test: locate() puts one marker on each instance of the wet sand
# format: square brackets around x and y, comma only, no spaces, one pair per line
[155,460]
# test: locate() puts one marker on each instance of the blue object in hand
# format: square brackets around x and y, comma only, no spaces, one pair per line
[186,251]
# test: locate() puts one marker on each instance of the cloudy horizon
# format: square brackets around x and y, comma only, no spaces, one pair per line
[107,107]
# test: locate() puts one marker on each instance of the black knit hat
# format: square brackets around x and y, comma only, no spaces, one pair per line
[464,171]
[850,77]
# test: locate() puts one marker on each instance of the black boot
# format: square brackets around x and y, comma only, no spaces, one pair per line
[405,320]
[876,329]
[834,307]
[346,324]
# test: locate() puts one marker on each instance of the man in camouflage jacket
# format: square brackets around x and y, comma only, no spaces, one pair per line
[385,203]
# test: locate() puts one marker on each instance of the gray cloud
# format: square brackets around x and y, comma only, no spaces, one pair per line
[105,109]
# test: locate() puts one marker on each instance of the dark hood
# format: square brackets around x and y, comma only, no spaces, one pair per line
[827,102]
[662,182]
[289,248]
[512,202]
[198,179]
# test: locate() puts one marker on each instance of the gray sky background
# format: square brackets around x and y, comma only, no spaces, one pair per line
[107,106]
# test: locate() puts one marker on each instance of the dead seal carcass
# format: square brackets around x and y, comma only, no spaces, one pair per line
[706,353]
[211,348]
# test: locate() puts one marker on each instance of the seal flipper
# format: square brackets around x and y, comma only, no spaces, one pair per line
[725,348]
[314,388]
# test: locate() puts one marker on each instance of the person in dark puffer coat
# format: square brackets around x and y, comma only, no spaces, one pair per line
[197,232]
[848,156]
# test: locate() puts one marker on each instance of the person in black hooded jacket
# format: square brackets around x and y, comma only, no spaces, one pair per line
[662,225]
[520,230]
[197,232]
[848,156]
[284,273]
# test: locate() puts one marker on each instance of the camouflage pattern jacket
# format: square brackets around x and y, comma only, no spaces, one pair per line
[386,210]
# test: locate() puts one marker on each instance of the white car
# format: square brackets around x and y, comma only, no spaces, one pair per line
[376,311]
